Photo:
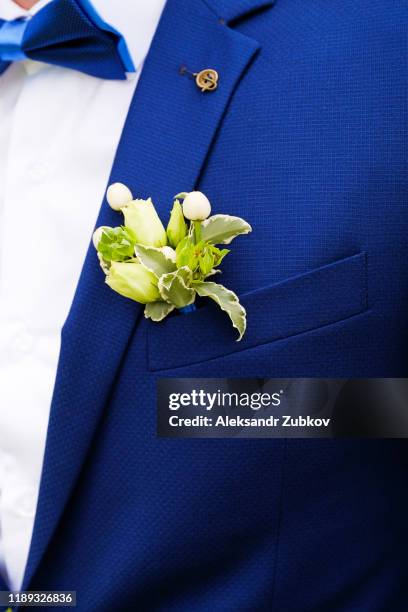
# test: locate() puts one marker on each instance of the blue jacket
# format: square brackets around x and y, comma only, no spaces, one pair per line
[304,139]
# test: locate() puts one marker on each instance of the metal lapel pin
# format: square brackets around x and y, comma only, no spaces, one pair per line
[206,80]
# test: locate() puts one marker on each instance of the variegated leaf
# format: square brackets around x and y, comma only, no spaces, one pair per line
[227,300]
[157,311]
[173,287]
[155,259]
[222,229]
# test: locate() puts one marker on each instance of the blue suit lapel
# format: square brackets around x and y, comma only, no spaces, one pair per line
[168,133]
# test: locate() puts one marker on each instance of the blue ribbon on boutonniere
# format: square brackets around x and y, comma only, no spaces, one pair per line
[188,309]
[167,268]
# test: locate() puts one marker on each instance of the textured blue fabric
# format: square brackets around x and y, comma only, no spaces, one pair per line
[67,33]
[3,585]
[304,138]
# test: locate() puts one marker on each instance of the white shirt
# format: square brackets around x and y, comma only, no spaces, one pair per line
[59,130]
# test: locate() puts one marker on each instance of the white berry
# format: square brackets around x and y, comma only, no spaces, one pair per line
[118,195]
[196,206]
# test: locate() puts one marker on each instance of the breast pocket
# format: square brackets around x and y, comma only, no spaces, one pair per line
[299,304]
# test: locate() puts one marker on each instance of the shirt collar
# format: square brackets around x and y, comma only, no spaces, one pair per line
[136,21]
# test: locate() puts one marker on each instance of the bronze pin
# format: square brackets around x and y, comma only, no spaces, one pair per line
[206,80]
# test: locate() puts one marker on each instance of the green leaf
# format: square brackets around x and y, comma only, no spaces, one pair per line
[174,288]
[157,311]
[177,227]
[155,259]
[212,273]
[227,300]
[222,229]
[186,275]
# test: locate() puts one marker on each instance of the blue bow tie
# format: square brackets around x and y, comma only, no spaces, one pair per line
[66,33]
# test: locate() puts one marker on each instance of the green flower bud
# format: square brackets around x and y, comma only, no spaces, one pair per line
[206,260]
[141,217]
[186,254]
[134,281]
[177,227]
[115,243]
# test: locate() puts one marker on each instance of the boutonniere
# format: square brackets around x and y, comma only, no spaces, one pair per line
[166,269]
